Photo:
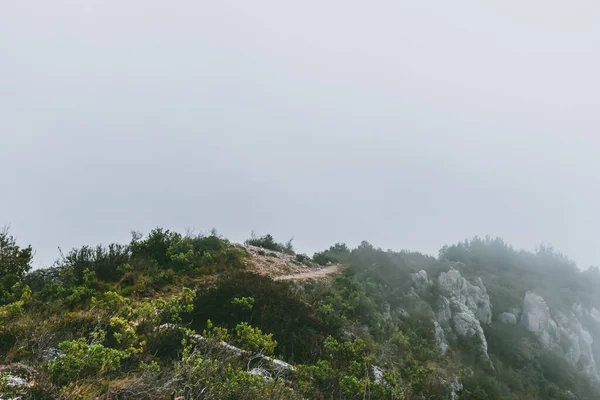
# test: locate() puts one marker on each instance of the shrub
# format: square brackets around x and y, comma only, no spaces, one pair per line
[80,360]
[253,340]
[269,243]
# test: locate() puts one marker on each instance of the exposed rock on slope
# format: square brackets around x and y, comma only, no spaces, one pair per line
[536,318]
[563,333]
[474,296]
[460,308]
[507,318]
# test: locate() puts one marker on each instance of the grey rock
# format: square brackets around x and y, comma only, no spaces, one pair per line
[421,282]
[440,338]
[562,333]
[50,354]
[387,314]
[451,388]
[466,325]
[572,395]
[261,372]
[15,381]
[378,375]
[460,310]
[456,288]
[536,318]
[443,313]
[508,318]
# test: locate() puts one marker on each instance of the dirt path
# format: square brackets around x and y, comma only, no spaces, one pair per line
[314,274]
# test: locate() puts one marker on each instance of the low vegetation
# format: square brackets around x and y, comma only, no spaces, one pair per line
[169,315]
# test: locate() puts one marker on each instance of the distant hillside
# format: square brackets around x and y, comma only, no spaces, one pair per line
[198,317]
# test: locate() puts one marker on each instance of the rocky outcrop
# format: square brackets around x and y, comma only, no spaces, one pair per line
[421,283]
[562,333]
[378,373]
[460,309]
[453,286]
[451,388]
[536,318]
[386,314]
[440,338]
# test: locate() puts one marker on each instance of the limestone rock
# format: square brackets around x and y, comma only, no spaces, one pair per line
[460,310]
[378,373]
[421,282]
[262,373]
[562,333]
[440,338]
[536,318]
[456,288]
[386,315]
[508,318]
[451,388]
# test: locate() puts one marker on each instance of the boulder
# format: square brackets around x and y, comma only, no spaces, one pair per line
[262,373]
[508,318]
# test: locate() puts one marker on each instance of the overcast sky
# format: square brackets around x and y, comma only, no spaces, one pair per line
[408,124]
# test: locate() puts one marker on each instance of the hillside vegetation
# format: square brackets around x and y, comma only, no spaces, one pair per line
[198,317]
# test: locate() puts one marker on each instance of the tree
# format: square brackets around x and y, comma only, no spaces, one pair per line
[13,259]
[14,263]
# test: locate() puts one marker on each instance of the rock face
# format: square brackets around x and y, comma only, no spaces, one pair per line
[562,333]
[453,286]
[440,338]
[536,318]
[421,282]
[460,308]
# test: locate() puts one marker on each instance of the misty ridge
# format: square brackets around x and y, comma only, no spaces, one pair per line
[360,129]
[195,316]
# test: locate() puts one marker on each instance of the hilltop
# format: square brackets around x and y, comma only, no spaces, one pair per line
[198,317]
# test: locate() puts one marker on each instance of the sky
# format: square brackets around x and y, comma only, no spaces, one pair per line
[407,124]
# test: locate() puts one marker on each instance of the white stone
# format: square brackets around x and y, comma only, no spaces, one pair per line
[440,338]
[421,282]
[507,318]
[456,288]
[378,375]
[536,318]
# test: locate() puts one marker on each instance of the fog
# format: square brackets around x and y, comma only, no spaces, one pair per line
[408,124]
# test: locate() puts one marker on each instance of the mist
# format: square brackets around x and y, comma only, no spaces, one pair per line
[408,125]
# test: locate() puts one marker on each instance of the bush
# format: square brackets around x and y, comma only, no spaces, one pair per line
[269,243]
[253,340]
[80,360]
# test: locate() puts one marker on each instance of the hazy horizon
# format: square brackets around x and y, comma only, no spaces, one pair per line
[410,125]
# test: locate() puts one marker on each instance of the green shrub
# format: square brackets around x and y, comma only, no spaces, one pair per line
[269,243]
[80,360]
[253,340]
